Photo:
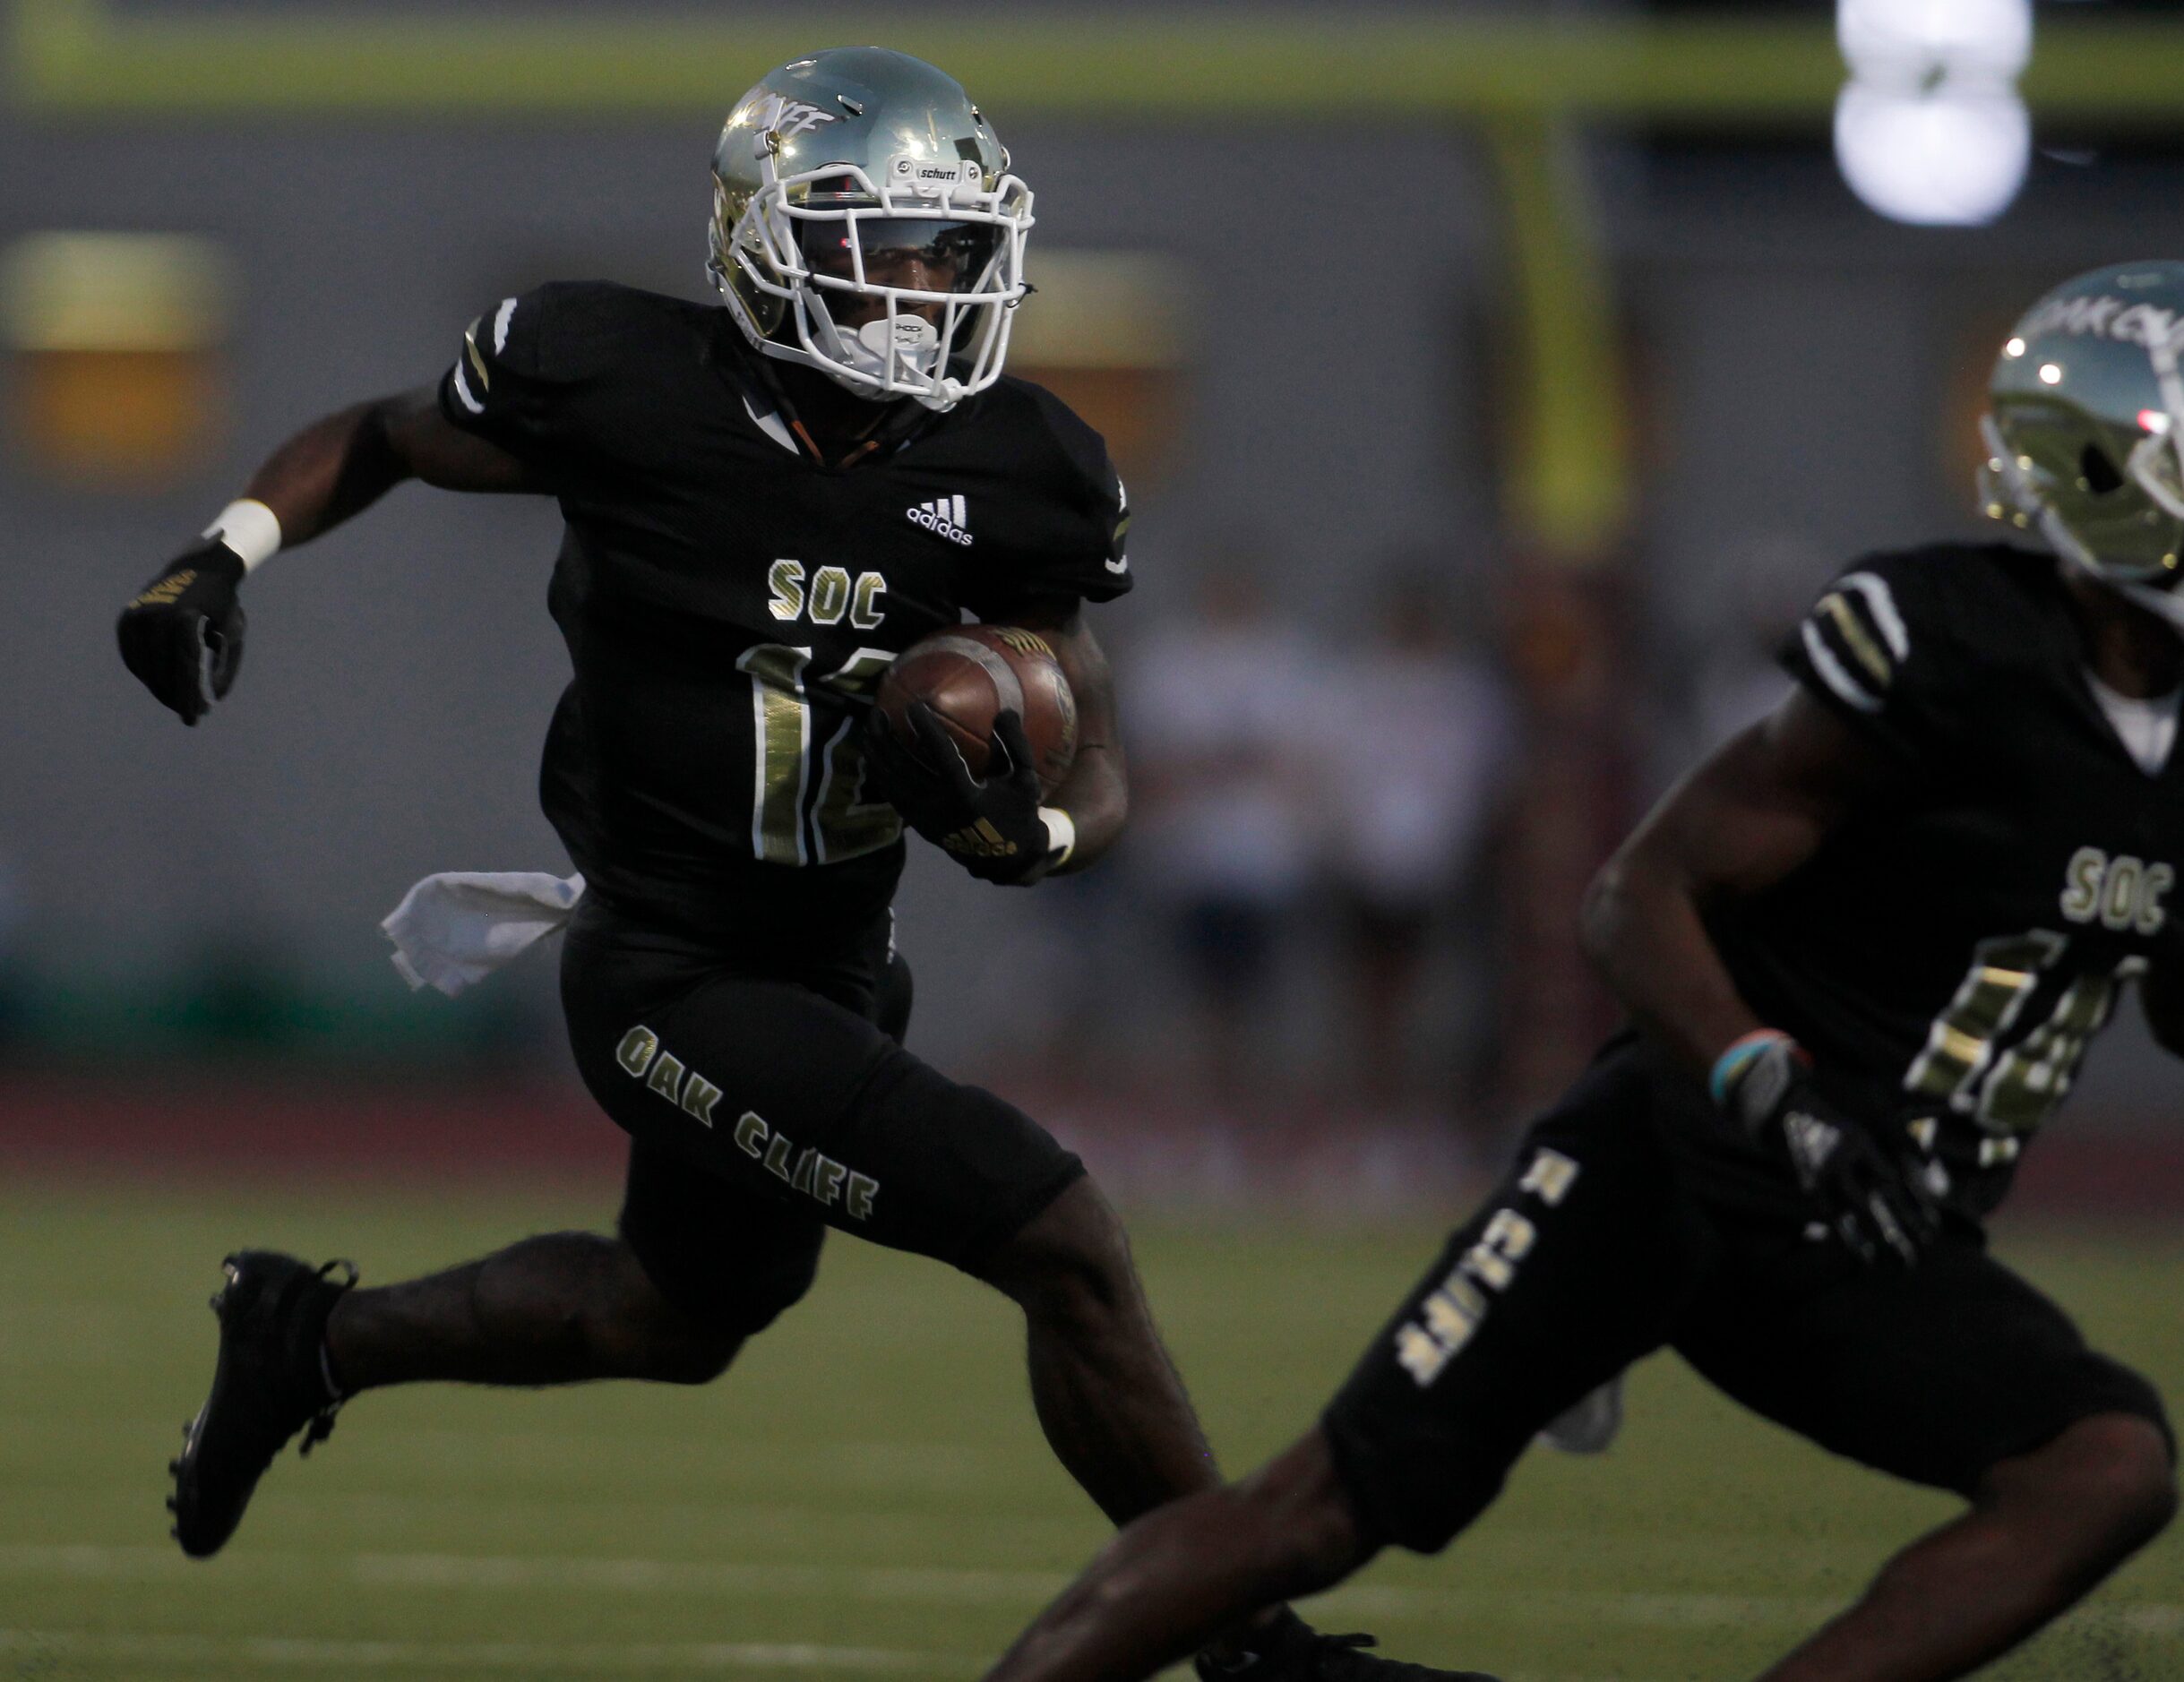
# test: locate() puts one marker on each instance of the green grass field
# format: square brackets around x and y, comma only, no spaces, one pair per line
[867,1494]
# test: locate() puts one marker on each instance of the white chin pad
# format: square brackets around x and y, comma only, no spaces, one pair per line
[907,345]
[909,334]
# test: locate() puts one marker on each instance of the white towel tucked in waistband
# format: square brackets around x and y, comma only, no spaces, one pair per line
[459,926]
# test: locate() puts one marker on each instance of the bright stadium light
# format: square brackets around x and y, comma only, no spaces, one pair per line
[1887,41]
[1951,158]
[1929,128]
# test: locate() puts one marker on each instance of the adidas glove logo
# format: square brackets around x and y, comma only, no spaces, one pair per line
[167,589]
[981,840]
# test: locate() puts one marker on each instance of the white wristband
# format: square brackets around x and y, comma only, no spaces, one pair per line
[1060,833]
[250,529]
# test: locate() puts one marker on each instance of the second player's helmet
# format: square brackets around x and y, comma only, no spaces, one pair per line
[2085,429]
[865,223]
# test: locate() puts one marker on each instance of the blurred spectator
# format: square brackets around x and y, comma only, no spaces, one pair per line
[1570,802]
[1418,735]
[1218,723]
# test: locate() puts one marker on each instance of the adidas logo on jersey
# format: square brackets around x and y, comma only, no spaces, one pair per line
[944,517]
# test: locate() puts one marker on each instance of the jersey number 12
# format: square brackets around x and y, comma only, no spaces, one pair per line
[789,760]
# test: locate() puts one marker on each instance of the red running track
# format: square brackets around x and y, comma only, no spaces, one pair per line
[473,1133]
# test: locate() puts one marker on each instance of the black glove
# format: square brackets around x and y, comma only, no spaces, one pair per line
[992,829]
[1877,1202]
[184,636]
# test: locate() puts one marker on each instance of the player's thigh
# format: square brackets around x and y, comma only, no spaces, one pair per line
[794,1100]
[1575,1268]
[955,1172]
[1935,1374]
[727,1257]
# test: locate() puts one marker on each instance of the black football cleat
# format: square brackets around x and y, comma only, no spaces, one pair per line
[1290,1650]
[270,1382]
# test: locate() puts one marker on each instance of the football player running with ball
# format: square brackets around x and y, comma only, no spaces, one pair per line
[764,504]
[1864,945]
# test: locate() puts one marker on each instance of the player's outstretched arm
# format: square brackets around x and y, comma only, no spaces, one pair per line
[1754,811]
[1751,814]
[1095,794]
[339,466]
[183,634]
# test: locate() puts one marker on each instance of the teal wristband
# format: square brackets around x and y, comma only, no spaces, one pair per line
[1741,1055]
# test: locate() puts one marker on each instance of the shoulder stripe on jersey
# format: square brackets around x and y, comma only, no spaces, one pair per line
[462,390]
[1832,671]
[477,357]
[1873,589]
[500,324]
[1856,638]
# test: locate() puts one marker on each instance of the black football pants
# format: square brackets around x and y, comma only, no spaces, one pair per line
[767,1100]
[1595,1251]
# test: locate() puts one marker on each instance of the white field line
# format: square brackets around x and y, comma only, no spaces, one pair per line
[914,1584]
[263,1651]
[863,1459]
[44,1647]
[877,1528]
[864,1463]
[1565,1607]
[896,1584]
[943,1586]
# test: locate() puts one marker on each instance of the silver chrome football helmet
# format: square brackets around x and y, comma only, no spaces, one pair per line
[2085,429]
[865,224]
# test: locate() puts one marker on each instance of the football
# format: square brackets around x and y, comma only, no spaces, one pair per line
[969,673]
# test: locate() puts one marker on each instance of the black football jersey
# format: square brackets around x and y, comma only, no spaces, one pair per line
[729,602]
[1948,956]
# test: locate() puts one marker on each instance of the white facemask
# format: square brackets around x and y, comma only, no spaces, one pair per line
[2163,604]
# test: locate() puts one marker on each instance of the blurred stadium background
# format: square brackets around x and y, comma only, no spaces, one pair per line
[1495,383]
